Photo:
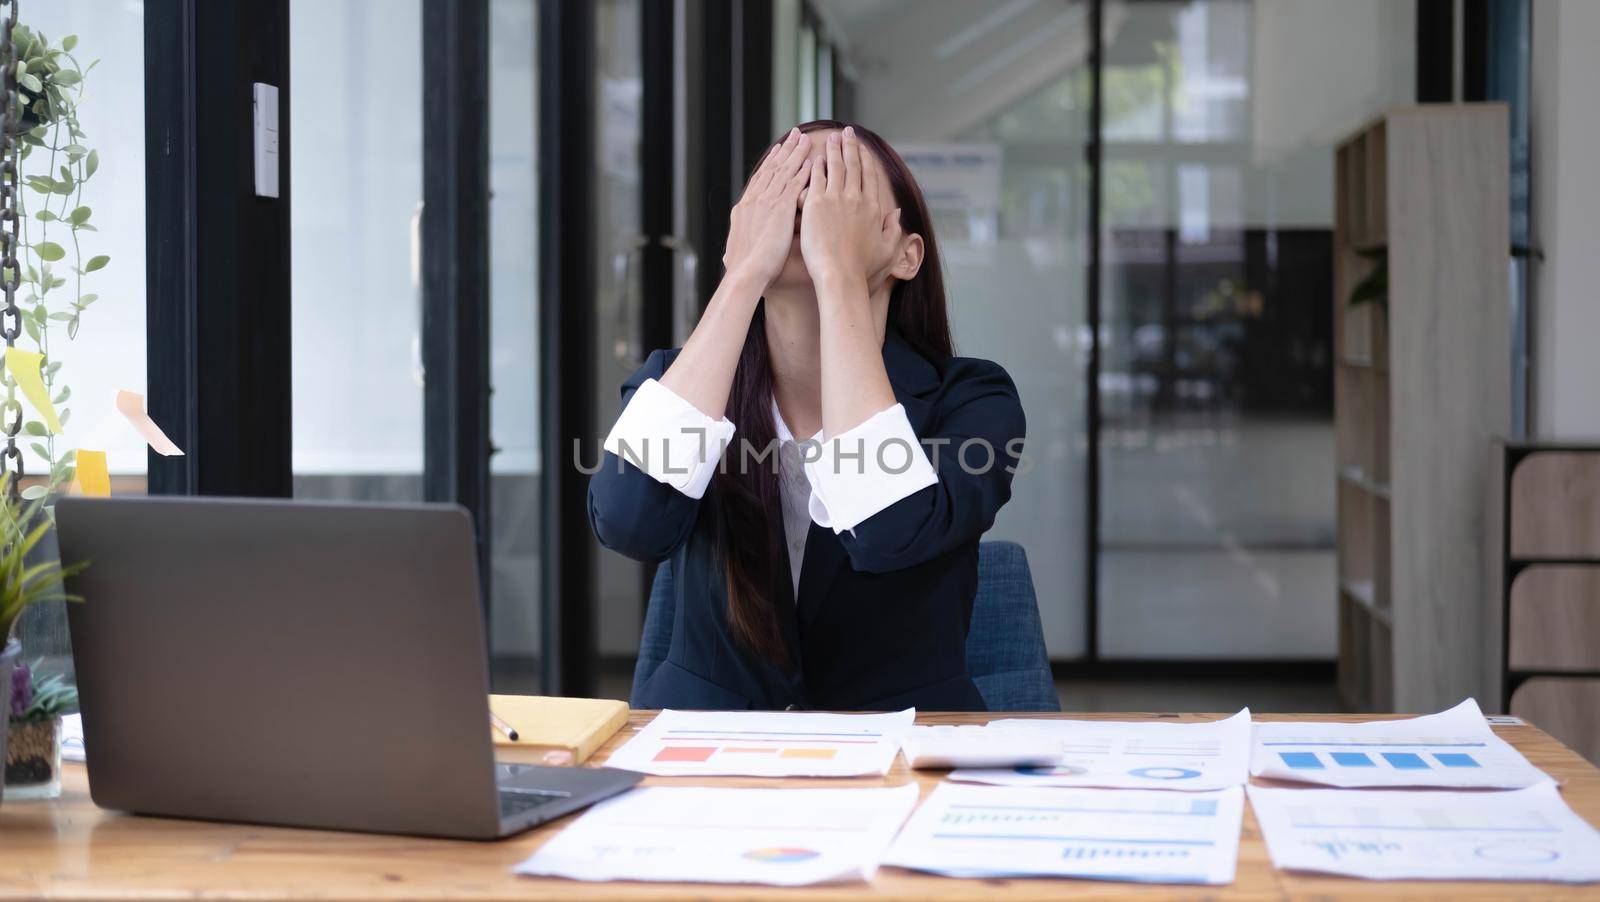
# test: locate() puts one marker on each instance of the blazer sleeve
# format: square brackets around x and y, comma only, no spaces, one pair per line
[981,412]
[630,511]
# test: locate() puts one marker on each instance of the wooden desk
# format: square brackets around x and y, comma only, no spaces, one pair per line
[70,849]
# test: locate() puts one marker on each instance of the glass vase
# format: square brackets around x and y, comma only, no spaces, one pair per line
[33,759]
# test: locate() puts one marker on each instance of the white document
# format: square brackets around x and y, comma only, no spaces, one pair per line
[998,744]
[1524,834]
[1454,748]
[72,737]
[765,744]
[1123,755]
[779,837]
[1140,835]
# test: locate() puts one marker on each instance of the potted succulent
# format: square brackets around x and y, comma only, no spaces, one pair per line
[23,582]
[33,750]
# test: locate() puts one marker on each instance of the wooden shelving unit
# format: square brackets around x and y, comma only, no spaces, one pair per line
[1545,548]
[1421,388]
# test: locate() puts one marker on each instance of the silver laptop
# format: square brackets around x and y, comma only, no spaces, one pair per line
[298,663]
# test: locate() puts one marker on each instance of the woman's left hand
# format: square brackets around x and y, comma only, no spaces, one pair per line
[847,226]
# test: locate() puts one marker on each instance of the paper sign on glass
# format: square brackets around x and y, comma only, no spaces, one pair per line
[92,479]
[1454,748]
[1140,835]
[24,367]
[131,406]
[779,837]
[1524,834]
[765,744]
[1123,755]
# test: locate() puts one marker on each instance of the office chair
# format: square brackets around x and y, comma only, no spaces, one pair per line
[1005,644]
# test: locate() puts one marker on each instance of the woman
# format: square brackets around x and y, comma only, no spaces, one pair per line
[838,572]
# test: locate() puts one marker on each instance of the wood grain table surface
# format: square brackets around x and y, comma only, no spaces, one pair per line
[69,849]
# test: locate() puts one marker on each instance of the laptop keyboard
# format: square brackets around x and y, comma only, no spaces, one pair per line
[521,801]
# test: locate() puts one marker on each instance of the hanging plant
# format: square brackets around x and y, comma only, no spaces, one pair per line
[56,163]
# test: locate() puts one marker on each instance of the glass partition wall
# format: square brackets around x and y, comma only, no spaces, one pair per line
[1203,530]
[357,233]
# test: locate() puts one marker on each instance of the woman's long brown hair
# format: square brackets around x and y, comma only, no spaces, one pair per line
[746,496]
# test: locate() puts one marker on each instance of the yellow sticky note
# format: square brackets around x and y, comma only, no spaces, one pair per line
[24,367]
[92,478]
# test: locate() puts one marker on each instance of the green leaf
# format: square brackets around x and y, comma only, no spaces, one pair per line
[35,492]
[45,216]
[41,184]
[62,188]
[34,427]
[66,392]
[61,317]
[39,131]
[31,327]
[72,332]
[69,42]
[40,450]
[50,368]
[66,175]
[91,164]
[80,215]
[49,250]
[31,82]
[66,78]
[65,413]
[40,314]
[98,262]
[88,299]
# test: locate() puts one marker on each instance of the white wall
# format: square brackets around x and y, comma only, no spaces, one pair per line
[1565,139]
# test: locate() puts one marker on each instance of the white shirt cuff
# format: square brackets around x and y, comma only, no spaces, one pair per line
[669,439]
[862,471]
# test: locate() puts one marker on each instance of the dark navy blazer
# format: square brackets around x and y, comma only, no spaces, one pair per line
[882,615]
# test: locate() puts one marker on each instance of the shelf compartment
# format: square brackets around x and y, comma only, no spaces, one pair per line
[1555,505]
[1563,707]
[1555,618]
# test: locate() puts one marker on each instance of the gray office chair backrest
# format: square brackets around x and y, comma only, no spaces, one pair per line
[1006,654]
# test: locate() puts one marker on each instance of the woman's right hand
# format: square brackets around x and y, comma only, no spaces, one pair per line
[761,228]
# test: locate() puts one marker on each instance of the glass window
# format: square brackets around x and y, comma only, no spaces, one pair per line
[88,361]
[514,508]
[356,173]
[1217,513]
[992,115]
[618,181]
[104,350]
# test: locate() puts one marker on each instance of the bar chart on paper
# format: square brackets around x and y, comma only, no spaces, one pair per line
[1107,834]
[1187,756]
[1522,834]
[1455,748]
[761,744]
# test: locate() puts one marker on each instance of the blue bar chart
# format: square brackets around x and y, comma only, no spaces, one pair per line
[1452,749]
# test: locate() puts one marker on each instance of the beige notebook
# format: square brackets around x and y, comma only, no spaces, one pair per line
[546,724]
